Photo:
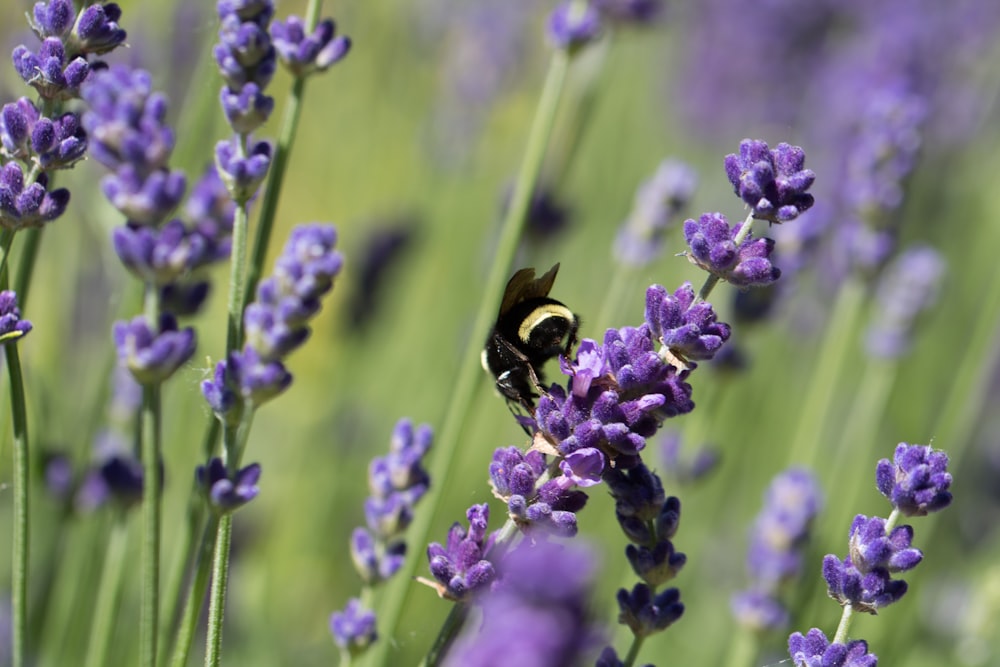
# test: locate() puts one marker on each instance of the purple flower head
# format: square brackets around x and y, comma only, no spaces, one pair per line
[144,200]
[244,53]
[53,18]
[688,329]
[271,332]
[50,72]
[308,263]
[160,256]
[354,628]
[305,53]
[227,493]
[514,472]
[244,378]
[645,613]
[57,144]
[657,202]
[871,548]
[714,249]
[631,12]
[814,650]
[584,467]
[12,326]
[184,299]
[780,530]
[210,210]
[571,29]
[375,559]
[758,611]
[126,120]
[916,481]
[772,183]
[908,287]
[865,591]
[246,108]
[242,172]
[655,565]
[153,356]
[537,613]
[97,31]
[118,478]
[30,205]
[460,566]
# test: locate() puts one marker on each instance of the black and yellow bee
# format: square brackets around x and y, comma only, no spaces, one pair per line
[531,328]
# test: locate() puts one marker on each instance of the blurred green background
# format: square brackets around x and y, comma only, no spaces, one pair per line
[386,140]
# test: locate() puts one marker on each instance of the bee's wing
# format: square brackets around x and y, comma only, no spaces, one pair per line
[523,286]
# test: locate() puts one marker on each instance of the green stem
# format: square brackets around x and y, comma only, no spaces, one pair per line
[743,649]
[713,280]
[192,609]
[220,579]
[456,619]
[151,499]
[824,379]
[235,302]
[469,372]
[31,242]
[102,627]
[844,626]
[21,541]
[633,651]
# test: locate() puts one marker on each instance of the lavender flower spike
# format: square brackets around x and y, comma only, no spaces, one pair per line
[12,326]
[303,53]
[226,494]
[354,628]
[916,481]
[772,183]
[713,248]
[569,29]
[688,329]
[153,355]
[814,650]
[460,567]
[30,205]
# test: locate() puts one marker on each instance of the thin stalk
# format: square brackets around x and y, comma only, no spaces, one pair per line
[633,651]
[192,610]
[102,626]
[151,514]
[743,648]
[31,241]
[220,579]
[469,372]
[449,631]
[235,302]
[844,626]
[20,543]
[713,280]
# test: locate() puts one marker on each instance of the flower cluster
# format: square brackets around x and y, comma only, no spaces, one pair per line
[460,566]
[772,183]
[536,614]
[658,201]
[227,491]
[571,26]
[397,482]
[916,482]
[717,248]
[776,542]
[276,323]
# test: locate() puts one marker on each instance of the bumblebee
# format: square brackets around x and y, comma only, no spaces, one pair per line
[531,328]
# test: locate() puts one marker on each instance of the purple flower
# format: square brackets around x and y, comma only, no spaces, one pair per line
[460,566]
[908,287]
[244,52]
[814,650]
[537,614]
[243,378]
[160,256]
[50,72]
[550,507]
[631,12]
[30,205]
[703,463]
[688,329]
[227,493]
[97,30]
[916,481]
[57,144]
[375,560]
[864,591]
[153,355]
[53,18]
[571,29]
[758,611]
[657,202]
[210,210]
[714,249]
[126,120]
[871,547]
[354,628]
[12,326]
[772,183]
[246,108]
[146,200]
[118,478]
[242,172]
[305,53]
[646,613]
